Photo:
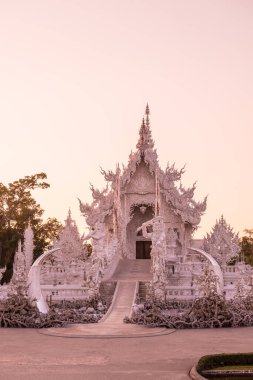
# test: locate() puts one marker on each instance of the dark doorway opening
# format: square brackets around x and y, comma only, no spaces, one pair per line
[143,249]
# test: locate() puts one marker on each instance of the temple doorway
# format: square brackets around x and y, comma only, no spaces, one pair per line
[143,249]
[139,214]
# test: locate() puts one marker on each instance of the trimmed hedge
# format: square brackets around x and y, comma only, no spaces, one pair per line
[213,361]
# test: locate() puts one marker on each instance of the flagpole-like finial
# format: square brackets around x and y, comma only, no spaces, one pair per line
[145,139]
[147,111]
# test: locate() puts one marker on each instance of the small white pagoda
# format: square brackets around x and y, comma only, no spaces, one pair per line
[63,275]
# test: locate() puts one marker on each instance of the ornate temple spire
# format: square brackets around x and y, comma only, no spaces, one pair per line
[147,112]
[222,242]
[19,276]
[28,247]
[145,140]
[69,240]
[69,220]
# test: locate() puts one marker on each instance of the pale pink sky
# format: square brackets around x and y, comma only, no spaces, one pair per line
[75,76]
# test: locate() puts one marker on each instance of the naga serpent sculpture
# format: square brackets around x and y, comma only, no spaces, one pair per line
[215,266]
[33,282]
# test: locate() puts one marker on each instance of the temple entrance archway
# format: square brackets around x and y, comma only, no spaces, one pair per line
[137,246]
[143,249]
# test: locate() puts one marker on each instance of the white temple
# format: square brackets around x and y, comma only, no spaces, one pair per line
[144,219]
[144,214]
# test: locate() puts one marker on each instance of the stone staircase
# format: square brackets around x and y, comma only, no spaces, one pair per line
[133,270]
[121,306]
[143,291]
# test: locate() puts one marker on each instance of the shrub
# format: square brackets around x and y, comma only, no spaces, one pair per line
[214,361]
[17,311]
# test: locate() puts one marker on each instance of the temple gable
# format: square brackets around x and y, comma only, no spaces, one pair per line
[142,181]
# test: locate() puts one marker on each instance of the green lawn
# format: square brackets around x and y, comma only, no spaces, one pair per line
[235,367]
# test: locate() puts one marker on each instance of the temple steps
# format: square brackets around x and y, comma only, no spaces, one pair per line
[143,291]
[133,270]
[122,303]
[128,274]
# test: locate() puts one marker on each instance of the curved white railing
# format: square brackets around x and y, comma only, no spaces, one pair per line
[215,266]
[33,282]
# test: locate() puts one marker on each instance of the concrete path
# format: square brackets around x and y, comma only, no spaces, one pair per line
[27,355]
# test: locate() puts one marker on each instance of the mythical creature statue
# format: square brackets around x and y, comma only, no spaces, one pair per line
[158,238]
[95,274]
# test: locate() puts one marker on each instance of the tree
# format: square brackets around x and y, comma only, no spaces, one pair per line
[18,208]
[247,247]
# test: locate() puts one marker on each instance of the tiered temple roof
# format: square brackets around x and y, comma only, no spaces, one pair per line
[177,196]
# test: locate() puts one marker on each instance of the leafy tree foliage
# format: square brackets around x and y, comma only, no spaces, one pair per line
[18,208]
[247,247]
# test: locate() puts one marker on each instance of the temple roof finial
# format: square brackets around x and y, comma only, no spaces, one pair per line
[145,139]
[69,220]
[147,112]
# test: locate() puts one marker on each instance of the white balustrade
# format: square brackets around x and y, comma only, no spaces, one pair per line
[61,292]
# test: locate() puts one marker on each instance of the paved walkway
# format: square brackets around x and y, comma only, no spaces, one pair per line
[27,355]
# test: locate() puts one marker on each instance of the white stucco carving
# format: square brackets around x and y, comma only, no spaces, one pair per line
[28,247]
[19,276]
